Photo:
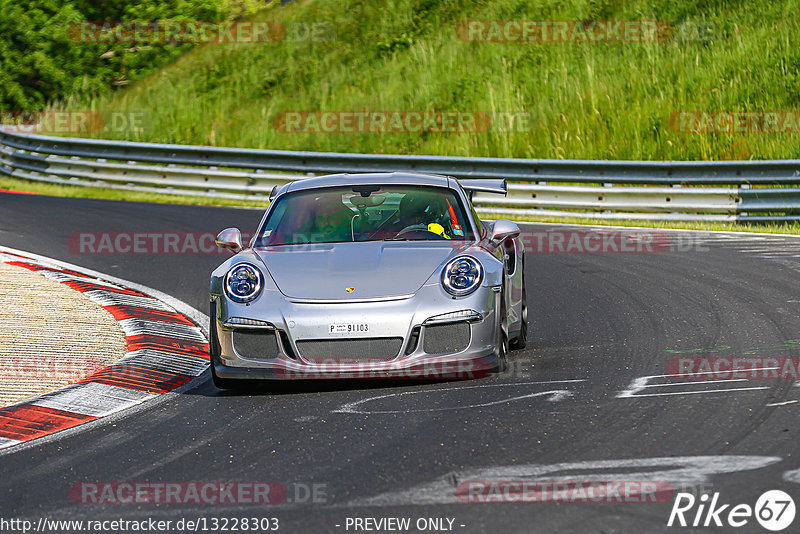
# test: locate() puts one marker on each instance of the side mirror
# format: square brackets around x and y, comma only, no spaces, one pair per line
[502,230]
[230,239]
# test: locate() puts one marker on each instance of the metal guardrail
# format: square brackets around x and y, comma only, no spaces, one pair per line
[619,190]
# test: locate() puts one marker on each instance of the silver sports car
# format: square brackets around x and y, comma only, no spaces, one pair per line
[386,275]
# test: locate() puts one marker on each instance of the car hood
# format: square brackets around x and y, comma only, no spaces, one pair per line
[372,270]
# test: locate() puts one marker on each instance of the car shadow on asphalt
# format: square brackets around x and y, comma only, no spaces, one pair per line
[207,388]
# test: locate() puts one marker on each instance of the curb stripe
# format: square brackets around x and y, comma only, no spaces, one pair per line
[165,361]
[83,287]
[89,398]
[143,327]
[133,312]
[168,344]
[60,276]
[29,422]
[112,298]
[138,377]
[14,192]
[8,442]
[166,350]
[37,267]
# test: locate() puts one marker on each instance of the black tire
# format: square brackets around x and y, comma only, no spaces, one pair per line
[224,383]
[521,340]
[215,349]
[502,356]
[502,360]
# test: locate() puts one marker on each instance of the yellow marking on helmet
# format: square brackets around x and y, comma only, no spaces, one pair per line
[437,229]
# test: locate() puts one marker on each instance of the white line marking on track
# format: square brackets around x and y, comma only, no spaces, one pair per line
[555,395]
[698,382]
[792,476]
[643,382]
[782,403]
[678,471]
[695,392]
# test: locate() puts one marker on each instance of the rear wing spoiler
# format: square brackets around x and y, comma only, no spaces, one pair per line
[484,185]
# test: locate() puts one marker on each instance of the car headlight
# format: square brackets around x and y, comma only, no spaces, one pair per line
[462,276]
[243,283]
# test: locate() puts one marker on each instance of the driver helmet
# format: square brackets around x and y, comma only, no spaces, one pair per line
[414,208]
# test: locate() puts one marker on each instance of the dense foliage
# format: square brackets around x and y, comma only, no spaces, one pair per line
[42,61]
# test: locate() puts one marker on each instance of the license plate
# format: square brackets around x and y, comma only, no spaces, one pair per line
[348,328]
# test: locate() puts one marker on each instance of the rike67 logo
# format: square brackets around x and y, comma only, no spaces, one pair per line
[774,510]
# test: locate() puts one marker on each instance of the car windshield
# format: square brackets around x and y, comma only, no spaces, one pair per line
[365,213]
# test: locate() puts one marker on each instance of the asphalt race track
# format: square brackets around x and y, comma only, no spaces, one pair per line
[586,399]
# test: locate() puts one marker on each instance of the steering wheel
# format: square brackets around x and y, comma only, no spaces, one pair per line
[414,231]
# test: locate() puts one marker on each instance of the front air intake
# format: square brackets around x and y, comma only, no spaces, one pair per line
[446,338]
[378,349]
[255,345]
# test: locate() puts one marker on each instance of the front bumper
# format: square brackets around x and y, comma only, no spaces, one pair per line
[461,368]
[454,349]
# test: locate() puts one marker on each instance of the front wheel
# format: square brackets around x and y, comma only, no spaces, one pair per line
[521,340]
[502,350]
[215,350]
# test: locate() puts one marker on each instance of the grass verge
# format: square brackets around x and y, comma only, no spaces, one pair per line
[578,99]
